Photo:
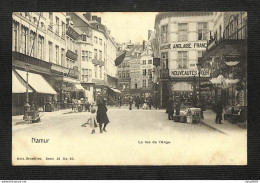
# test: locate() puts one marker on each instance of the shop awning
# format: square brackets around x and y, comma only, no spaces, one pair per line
[116,90]
[79,87]
[18,86]
[70,80]
[37,82]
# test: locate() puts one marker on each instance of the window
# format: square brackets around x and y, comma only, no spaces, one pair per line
[57,26]
[220,32]
[202,30]
[95,71]
[57,54]
[144,82]
[100,41]
[84,55]
[164,32]
[86,75]
[95,39]
[63,29]
[100,55]
[119,74]
[144,62]
[24,39]
[40,47]
[127,74]
[182,59]
[32,50]
[200,53]
[95,54]
[51,20]
[123,74]
[84,37]
[90,56]
[62,57]
[50,51]
[183,31]
[164,59]
[100,72]
[149,61]
[127,64]
[150,72]
[144,72]
[123,64]
[15,36]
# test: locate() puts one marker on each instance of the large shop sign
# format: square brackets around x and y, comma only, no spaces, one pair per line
[184,45]
[188,73]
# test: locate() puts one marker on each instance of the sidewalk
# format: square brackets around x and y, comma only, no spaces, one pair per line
[226,127]
[19,118]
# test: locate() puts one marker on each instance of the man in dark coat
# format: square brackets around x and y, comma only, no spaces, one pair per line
[137,102]
[170,109]
[130,103]
[150,102]
[119,101]
[102,116]
[219,111]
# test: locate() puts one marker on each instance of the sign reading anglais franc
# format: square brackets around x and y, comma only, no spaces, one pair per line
[184,45]
[187,73]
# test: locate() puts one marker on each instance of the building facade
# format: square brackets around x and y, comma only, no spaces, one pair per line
[180,39]
[39,47]
[226,57]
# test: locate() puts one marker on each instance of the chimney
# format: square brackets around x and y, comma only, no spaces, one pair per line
[98,20]
[87,15]
[94,17]
[144,44]
[149,34]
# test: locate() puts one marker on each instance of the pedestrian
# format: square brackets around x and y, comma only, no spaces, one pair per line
[119,101]
[92,120]
[219,111]
[130,103]
[170,109]
[102,117]
[149,102]
[145,104]
[137,102]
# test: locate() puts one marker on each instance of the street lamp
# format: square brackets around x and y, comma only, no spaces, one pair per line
[200,104]
[27,105]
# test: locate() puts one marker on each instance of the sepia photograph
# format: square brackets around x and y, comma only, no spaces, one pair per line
[129,88]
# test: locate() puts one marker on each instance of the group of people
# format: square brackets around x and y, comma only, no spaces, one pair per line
[143,102]
[98,118]
[80,105]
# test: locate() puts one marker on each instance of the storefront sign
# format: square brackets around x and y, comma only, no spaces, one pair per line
[188,73]
[190,45]
[168,46]
[59,68]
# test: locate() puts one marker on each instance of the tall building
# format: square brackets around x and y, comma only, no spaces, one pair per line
[180,39]
[226,57]
[97,53]
[39,47]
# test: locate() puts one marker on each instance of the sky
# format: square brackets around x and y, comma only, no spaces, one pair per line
[126,26]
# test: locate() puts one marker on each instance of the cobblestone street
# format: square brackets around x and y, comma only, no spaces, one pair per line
[129,134]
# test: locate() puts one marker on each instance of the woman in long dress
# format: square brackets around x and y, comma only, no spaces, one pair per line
[102,116]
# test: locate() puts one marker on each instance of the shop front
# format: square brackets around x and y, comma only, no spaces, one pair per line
[40,91]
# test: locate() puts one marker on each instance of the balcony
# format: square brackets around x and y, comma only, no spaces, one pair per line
[98,62]
[71,55]
[225,45]
[30,60]
[164,73]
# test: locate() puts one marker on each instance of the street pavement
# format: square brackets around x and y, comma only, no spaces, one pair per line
[134,137]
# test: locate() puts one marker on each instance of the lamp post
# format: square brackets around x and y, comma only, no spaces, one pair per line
[27,105]
[200,104]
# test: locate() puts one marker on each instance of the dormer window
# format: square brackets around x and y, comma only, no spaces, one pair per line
[84,37]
